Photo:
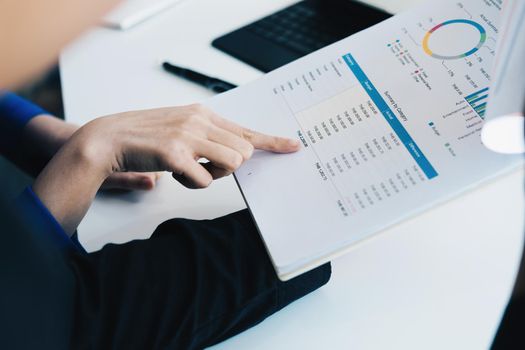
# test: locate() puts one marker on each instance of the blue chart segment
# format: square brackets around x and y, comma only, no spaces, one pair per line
[391,118]
[478,101]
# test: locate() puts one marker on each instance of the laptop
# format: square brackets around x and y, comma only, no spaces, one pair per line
[297,30]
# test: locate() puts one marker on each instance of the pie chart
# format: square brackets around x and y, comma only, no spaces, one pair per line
[454,39]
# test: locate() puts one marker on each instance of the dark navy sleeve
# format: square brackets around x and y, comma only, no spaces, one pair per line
[15,113]
[33,209]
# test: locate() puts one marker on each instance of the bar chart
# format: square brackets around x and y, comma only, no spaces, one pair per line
[478,101]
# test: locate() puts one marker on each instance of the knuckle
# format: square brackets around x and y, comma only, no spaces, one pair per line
[236,161]
[198,109]
[208,129]
[248,134]
[189,121]
[204,181]
[196,120]
[275,142]
[195,106]
[248,151]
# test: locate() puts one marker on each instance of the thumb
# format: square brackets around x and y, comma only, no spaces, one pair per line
[131,181]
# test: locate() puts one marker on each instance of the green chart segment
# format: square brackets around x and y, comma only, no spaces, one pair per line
[478,101]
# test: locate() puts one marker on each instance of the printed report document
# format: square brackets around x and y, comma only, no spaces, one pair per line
[390,121]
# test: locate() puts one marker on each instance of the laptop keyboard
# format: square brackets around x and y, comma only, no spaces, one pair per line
[298,27]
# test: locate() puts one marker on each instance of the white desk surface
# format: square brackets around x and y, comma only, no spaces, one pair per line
[439,281]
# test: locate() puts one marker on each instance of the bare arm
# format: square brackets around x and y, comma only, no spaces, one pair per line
[44,135]
[42,138]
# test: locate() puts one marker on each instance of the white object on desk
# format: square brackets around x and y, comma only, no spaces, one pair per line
[504,125]
[133,12]
[439,281]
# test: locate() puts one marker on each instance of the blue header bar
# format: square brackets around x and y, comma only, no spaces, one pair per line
[391,118]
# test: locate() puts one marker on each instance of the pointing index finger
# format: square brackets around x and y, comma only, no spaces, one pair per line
[270,143]
[259,140]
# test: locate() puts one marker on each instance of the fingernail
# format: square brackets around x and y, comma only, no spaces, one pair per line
[293,143]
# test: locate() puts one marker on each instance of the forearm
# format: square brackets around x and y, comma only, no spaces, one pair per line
[42,138]
[29,136]
[69,182]
[20,121]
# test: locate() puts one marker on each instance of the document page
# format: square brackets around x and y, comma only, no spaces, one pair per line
[389,121]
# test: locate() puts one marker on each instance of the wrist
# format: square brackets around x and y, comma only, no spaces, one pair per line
[70,181]
[92,152]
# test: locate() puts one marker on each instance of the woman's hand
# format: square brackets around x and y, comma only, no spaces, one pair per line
[166,139]
[174,139]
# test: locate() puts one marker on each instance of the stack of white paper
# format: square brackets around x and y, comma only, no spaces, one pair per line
[390,120]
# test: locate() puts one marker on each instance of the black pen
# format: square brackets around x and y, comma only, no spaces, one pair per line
[211,83]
